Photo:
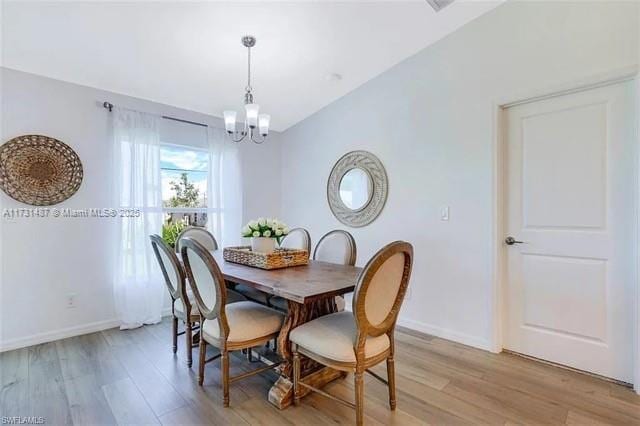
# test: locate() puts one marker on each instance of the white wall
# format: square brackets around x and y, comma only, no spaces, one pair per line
[430,121]
[45,259]
[1,139]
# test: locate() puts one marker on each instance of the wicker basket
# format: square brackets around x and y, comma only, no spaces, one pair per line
[280,258]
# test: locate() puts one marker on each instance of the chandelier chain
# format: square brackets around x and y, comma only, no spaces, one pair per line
[248,88]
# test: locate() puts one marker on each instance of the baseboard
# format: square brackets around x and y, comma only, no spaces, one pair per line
[444,333]
[63,333]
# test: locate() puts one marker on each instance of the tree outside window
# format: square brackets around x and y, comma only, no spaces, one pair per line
[185,174]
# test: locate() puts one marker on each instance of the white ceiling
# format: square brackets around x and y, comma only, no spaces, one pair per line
[189,54]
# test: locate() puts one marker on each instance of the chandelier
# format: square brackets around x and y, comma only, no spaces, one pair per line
[253,120]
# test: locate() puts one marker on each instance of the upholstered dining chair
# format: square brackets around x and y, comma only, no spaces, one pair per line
[232,327]
[297,238]
[209,242]
[335,246]
[355,342]
[182,308]
[199,234]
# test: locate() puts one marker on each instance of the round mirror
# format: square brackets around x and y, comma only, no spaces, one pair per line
[356,188]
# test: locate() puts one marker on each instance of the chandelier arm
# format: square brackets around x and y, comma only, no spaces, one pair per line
[257,141]
[242,134]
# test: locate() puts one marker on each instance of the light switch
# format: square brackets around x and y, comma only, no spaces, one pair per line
[444,214]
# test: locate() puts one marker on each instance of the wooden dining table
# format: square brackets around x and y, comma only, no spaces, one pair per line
[310,292]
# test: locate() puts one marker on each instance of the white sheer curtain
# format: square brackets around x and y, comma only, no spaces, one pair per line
[138,289]
[224,195]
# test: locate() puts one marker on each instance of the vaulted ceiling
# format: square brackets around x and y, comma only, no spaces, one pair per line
[189,54]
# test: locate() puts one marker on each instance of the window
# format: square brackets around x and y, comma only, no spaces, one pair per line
[185,175]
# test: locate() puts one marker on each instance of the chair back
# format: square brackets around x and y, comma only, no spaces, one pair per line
[172,271]
[169,265]
[381,288]
[199,234]
[336,246]
[297,238]
[206,281]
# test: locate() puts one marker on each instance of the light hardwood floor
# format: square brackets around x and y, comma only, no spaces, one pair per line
[131,377]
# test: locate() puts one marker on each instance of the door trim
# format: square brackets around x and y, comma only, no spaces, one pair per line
[499,197]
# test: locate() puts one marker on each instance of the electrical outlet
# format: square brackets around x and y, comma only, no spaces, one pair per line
[71,300]
[444,214]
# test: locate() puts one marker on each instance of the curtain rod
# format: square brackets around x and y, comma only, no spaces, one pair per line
[109,106]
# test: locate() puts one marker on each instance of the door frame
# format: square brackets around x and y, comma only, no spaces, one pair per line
[498,267]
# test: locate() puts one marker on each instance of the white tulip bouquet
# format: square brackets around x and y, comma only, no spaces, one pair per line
[266,228]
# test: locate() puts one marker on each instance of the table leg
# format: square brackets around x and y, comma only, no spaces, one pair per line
[313,373]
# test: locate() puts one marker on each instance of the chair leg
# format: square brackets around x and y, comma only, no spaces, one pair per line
[359,387]
[296,375]
[175,335]
[203,357]
[189,336]
[225,377]
[391,379]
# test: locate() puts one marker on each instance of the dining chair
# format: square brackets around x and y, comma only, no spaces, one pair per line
[199,234]
[335,246]
[182,308]
[297,238]
[208,241]
[229,327]
[355,342]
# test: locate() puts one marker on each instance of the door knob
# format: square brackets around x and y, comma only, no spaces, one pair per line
[511,241]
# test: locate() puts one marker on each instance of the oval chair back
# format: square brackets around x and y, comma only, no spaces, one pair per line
[380,291]
[206,282]
[297,238]
[336,246]
[199,234]
[172,271]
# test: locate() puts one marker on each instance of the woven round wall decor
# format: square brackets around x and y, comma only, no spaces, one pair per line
[39,170]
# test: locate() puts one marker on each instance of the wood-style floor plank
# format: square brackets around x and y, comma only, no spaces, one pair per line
[14,382]
[186,415]
[47,393]
[406,388]
[132,377]
[89,354]
[157,391]
[87,401]
[127,404]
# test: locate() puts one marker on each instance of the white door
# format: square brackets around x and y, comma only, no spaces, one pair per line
[571,185]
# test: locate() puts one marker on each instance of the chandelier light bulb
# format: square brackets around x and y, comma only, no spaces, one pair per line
[230,121]
[252,114]
[263,124]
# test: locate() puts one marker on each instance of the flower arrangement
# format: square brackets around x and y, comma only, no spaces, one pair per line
[265,228]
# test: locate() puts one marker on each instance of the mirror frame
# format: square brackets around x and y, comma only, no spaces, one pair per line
[369,212]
